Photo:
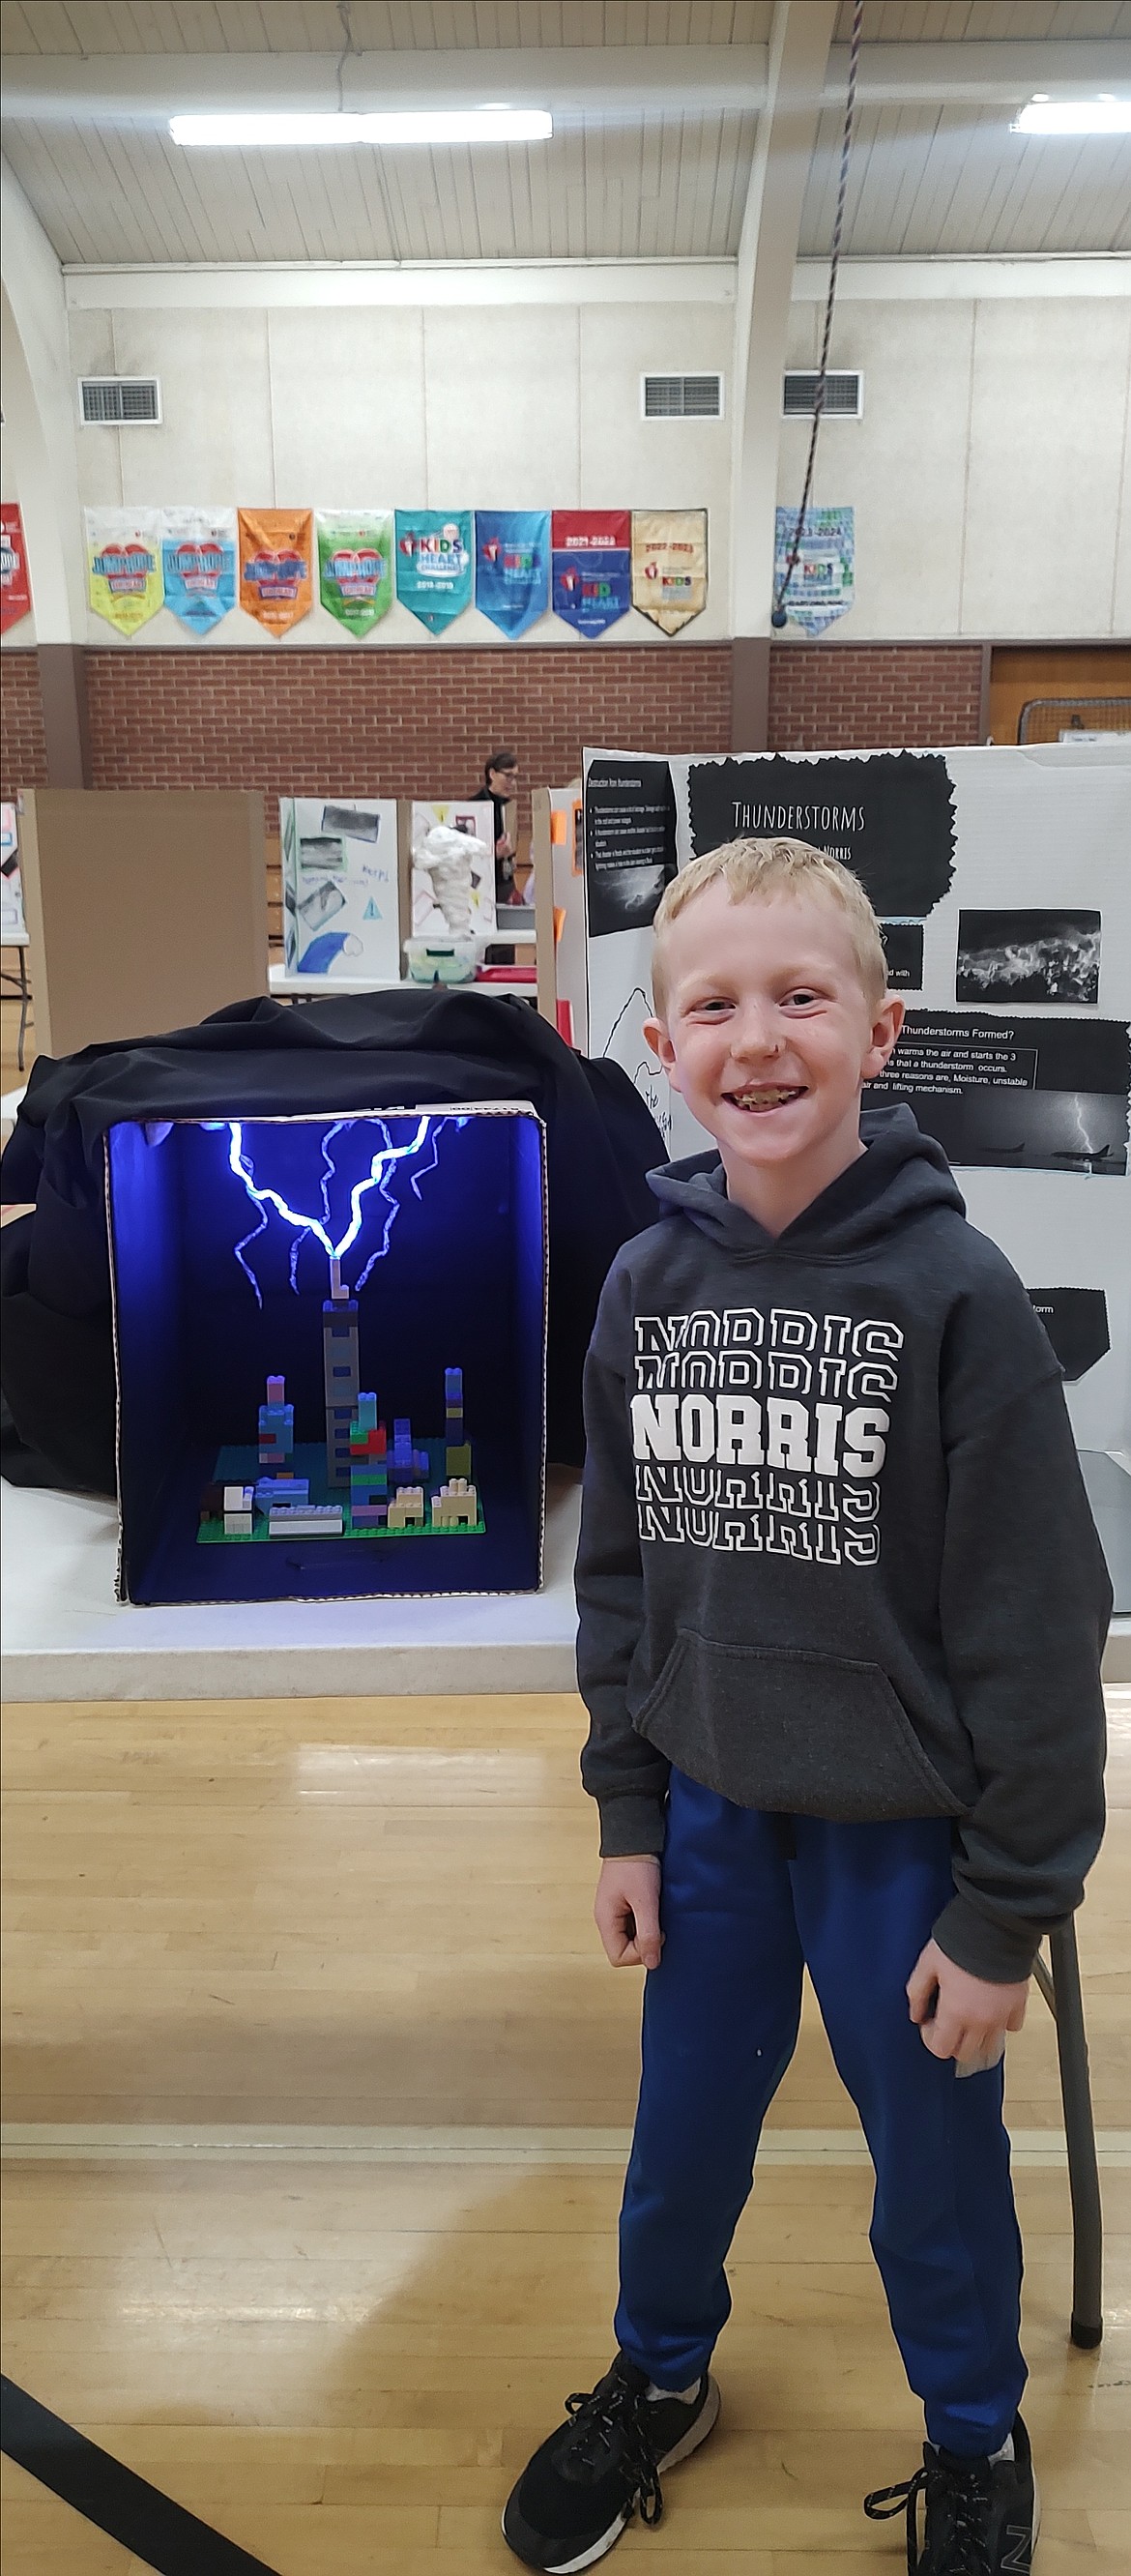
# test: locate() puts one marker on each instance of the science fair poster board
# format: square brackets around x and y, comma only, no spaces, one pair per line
[557,848]
[13,927]
[340,887]
[146,908]
[1000,879]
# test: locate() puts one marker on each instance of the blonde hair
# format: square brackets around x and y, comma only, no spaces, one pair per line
[761,868]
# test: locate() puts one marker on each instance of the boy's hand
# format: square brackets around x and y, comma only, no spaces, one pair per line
[626,1911]
[961,2016]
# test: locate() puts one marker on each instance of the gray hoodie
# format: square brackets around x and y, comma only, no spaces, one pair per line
[836,1555]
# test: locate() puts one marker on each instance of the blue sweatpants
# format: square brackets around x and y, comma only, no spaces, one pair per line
[855,1905]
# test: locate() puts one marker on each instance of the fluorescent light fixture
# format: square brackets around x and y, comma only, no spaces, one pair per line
[1074,116]
[425,125]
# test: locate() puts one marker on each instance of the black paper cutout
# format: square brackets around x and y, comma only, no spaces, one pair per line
[1024,1094]
[889,816]
[903,948]
[629,842]
[1075,1320]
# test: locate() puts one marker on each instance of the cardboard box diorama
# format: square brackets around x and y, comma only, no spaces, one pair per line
[341,911]
[330,1340]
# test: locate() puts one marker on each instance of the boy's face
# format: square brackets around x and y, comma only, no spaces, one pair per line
[767,1031]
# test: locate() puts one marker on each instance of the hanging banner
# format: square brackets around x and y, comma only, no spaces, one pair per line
[123,558]
[198,554]
[512,567]
[669,566]
[435,553]
[822,585]
[15,586]
[592,559]
[276,558]
[355,566]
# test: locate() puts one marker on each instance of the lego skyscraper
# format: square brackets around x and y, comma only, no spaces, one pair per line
[342,1380]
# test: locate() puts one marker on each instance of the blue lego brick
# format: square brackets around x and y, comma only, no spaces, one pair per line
[282,1489]
[453,1404]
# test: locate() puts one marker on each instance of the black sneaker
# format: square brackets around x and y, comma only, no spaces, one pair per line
[980,2517]
[582,2486]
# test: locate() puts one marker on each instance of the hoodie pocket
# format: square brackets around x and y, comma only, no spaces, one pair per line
[794,1732]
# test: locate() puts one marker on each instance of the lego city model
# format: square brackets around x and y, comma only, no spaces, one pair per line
[330,1342]
[419,1486]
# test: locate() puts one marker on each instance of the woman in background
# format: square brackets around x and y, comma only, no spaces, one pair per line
[500,783]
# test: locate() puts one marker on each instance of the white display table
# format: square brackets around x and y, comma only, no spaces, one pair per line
[65,1636]
[311,986]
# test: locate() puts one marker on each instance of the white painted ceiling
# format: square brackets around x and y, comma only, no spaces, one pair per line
[639,165]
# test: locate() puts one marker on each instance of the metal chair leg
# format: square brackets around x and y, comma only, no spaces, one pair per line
[1066,2003]
[25,1007]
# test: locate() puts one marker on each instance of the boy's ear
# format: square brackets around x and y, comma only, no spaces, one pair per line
[659,1044]
[885,1031]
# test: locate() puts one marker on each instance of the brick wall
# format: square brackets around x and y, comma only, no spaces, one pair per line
[863,697]
[418,722]
[398,723]
[23,750]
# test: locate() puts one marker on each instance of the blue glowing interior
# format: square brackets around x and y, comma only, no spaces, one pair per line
[223,1234]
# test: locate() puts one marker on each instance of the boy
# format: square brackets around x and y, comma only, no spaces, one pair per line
[842,1607]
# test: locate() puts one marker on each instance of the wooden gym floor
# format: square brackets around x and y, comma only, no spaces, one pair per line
[317,2085]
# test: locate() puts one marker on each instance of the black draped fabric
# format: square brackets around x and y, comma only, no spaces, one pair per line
[402,1049]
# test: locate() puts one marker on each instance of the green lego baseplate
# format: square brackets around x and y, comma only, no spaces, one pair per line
[240,1466]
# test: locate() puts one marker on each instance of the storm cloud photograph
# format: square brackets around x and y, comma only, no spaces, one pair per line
[1029,957]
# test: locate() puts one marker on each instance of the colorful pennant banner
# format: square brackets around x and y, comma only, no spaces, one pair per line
[590,566]
[276,559]
[822,585]
[669,566]
[592,560]
[512,567]
[123,560]
[15,586]
[435,558]
[355,566]
[198,554]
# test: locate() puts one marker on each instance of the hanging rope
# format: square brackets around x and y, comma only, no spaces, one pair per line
[348,48]
[779,615]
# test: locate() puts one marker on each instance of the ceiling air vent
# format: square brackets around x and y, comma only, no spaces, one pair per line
[682,397]
[844,395]
[119,402]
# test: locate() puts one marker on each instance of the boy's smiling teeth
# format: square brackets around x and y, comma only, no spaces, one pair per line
[767,1095]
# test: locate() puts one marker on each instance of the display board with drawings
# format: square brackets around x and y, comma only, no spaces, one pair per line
[340,892]
[1001,881]
[13,927]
